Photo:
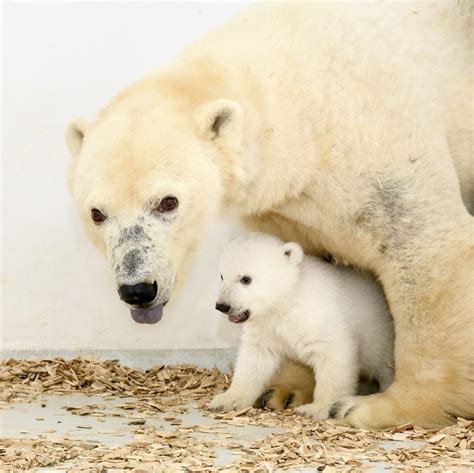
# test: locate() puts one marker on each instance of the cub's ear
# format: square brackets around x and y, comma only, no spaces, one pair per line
[74,135]
[220,119]
[293,252]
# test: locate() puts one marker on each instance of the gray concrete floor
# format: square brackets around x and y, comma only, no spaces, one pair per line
[53,420]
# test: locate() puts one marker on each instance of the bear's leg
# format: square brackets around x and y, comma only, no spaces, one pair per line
[412,229]
[429,282]
[255,366]
[337,371]
[398,212]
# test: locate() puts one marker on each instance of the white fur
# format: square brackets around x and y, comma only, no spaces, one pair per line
[346,128]
[332,319]
[294,130]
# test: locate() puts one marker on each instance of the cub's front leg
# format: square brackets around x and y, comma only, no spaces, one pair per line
[255,366]
[337,373]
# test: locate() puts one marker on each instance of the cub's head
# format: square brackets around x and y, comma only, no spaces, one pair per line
[258,275]
[145,184]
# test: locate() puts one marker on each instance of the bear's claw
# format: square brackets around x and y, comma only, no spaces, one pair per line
[341,410]
[261,402]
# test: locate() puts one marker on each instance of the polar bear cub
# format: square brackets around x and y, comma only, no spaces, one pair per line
[330,318]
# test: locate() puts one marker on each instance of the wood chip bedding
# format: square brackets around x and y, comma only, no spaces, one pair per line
[168,391]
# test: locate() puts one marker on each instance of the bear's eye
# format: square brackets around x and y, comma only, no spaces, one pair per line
[167,204]
[222,278]
[246,280]
[97,216]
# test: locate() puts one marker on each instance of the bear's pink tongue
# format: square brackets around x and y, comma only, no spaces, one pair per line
[147,316]
[238,318]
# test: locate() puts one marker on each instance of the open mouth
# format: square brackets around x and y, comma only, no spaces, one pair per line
[239,318]
[148,315]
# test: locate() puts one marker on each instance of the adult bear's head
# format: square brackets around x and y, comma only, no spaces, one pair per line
[146,180]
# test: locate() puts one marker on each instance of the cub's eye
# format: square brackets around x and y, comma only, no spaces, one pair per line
[246,280]
[222,278]
[97,216]
[167,204]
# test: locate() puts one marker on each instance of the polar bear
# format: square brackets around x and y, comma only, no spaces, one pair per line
[348,129]
[330,318]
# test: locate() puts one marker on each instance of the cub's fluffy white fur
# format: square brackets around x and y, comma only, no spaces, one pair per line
[330,318]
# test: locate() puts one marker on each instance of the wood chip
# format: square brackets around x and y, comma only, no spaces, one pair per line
[436,438]
[162,393]
[137,422]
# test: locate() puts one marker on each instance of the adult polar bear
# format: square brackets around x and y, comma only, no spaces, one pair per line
[347,129]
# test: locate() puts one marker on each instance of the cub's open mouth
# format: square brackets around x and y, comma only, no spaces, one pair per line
[239,318]
[150,315]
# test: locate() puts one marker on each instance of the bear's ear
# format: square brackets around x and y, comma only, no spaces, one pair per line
[74,135]
[293,252]
[219,119]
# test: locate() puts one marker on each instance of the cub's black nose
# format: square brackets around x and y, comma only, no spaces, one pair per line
[223,308]
[138,294]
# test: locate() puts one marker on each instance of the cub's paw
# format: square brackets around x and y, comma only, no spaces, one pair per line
[229,401]
[314,411]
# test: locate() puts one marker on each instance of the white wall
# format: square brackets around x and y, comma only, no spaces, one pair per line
[62,60]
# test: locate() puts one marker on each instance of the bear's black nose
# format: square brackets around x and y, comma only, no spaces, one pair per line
[138,294]
[223,308]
